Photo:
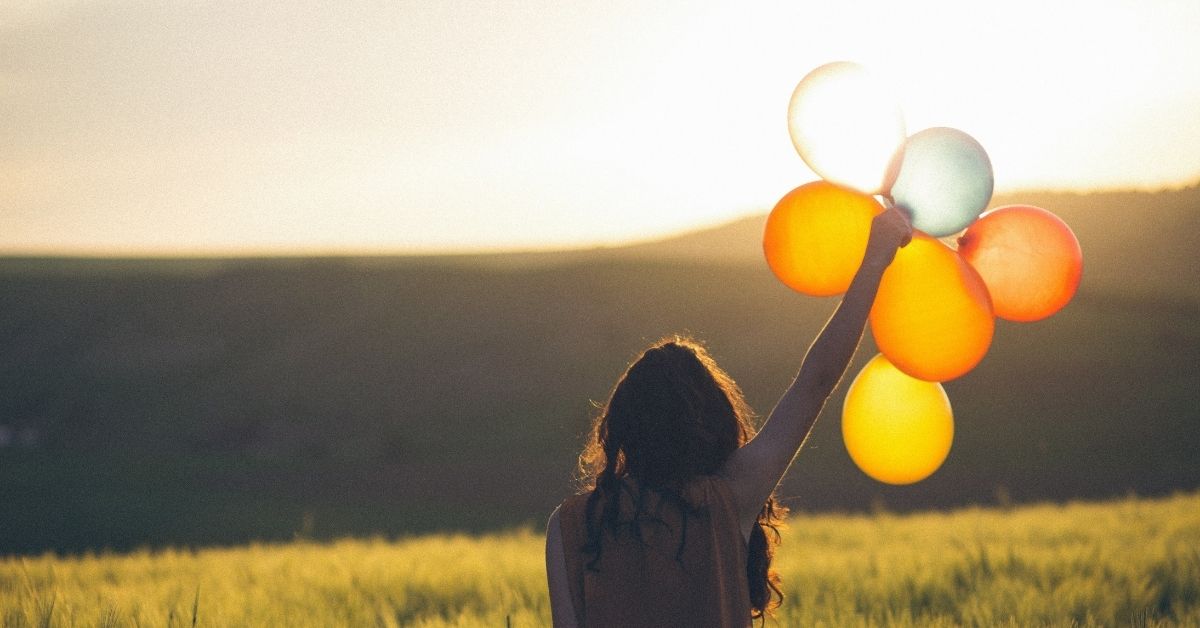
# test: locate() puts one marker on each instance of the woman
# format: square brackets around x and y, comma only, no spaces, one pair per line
[673,531]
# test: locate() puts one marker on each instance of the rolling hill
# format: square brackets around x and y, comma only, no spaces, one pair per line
[150,402]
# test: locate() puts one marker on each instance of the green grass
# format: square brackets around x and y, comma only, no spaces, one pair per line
[1129,562]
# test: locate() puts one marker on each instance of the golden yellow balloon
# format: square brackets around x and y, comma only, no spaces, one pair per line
[897,428]
[932,316]
[816,237]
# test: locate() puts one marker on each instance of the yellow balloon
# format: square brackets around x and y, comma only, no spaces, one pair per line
[816,237]
[897,429]
[933,315]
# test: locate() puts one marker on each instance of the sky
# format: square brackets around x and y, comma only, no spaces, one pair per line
[232,127]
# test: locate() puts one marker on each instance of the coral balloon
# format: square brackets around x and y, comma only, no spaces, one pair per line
[945,180]
[932,316]
[846,126]
[816,237]
[897,429]
[1029,259]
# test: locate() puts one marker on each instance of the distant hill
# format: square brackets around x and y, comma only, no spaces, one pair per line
[1143,242]
[213,401]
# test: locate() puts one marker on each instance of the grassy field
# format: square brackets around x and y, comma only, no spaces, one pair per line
[1127,562]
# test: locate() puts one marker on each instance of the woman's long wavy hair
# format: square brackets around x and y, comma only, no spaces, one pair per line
[672,417]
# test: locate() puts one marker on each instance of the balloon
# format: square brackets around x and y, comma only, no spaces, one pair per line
[897,429]
[1029,259]
[816,237]
[945,180]
[845,126]
[932,316]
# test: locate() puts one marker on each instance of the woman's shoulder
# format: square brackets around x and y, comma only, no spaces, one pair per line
[572,508]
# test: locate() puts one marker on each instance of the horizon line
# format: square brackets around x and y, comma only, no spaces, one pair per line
[285,252]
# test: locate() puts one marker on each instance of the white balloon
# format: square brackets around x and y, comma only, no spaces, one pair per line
[944,182]
[846,126]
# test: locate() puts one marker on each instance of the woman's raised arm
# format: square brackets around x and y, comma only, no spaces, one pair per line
[756,468]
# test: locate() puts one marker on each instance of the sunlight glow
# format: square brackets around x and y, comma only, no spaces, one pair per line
[846,126]
[423,125]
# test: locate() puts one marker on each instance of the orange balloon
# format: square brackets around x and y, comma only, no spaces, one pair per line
[1029,259]
[816,237]
[896,428]
[932,316]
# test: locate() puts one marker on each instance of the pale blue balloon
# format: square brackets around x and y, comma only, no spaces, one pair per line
[945,180]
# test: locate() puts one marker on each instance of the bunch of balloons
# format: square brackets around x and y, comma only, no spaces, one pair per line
[934,315]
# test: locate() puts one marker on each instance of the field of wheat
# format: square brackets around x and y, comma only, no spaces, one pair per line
[1129,562]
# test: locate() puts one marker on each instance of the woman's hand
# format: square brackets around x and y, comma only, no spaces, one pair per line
[890,231]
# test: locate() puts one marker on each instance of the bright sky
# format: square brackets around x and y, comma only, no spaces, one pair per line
[231,127]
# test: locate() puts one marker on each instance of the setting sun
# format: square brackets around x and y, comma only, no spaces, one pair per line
[846,126]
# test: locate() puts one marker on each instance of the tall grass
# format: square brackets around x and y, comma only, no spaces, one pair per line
[1129,562]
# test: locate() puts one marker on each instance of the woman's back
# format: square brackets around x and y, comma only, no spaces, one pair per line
[675,418]
[685,570]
